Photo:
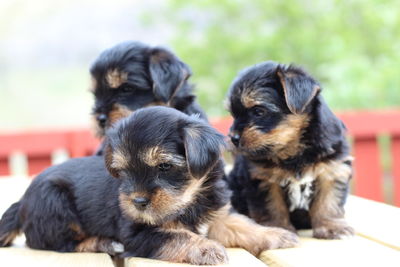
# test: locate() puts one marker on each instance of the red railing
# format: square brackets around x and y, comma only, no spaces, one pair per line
[363,126]
[38,147]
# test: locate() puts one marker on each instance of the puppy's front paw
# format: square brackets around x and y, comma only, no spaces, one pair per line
[207,252]
[270,238]
[280,238]
[333,230]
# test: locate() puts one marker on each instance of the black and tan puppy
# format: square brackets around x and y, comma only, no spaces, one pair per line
[165,199]
[132,75]
[292,166]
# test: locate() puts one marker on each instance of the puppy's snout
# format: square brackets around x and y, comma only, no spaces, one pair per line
[101,119]
[235,138]
[141,202]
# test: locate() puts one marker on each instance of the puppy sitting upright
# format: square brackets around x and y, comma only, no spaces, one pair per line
[292,166]
[132,75]
[165,199]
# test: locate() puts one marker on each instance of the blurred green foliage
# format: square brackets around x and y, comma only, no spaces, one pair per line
[351,47]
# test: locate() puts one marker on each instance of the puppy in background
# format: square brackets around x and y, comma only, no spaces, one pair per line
[132,75]
[292,164]
[158,191]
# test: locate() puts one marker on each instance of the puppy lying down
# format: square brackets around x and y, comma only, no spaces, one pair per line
[157,193]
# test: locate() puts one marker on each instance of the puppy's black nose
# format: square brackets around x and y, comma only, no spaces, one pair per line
[102,119]
[141,202]
[235,138]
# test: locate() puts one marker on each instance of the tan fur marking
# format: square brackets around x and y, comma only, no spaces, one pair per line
[194,188]
[176,250]
[80,235]
[270,180]
[116,78]
[118,112]
[334,170]
[271,175]
[166,201]
[129,210]
[236,230]
[278,206]
[119,160]
[157,155]
[250,98]
[163,203]
[108,158]
[284,139]
[88,245]
[327,216]
[174,225]
[187,247]
[8,238]
[326,203]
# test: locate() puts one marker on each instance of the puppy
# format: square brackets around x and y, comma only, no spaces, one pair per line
[132,75]
[292,165]
[165,198]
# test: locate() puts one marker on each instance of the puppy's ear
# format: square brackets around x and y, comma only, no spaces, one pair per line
[299,88]
[168,73]
[109,160]
[203,147]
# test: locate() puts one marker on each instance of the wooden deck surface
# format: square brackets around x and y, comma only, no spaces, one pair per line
[377,242]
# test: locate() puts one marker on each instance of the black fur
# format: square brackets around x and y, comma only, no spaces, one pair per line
[82,192]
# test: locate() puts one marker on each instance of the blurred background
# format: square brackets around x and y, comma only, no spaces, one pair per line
[47,46]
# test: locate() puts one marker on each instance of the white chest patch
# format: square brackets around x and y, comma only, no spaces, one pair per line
[299,191]
[203,229]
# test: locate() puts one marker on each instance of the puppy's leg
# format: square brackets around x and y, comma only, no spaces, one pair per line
[236,230]
[276,209]
[181,246]
[327,213]
[100,244]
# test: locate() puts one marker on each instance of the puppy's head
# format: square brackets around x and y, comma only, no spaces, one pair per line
[164,159]
[271,105]
[132,75]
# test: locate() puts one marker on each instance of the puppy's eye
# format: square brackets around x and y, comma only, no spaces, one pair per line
[164,167]
[258,112]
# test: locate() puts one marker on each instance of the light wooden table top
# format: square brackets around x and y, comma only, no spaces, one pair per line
[377,242]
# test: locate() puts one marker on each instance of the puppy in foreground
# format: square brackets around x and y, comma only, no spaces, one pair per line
[158,191]
[132,75]
[292,163]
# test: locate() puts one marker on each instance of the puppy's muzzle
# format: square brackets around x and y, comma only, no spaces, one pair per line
[101,119]
[141,202]
[235,138]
